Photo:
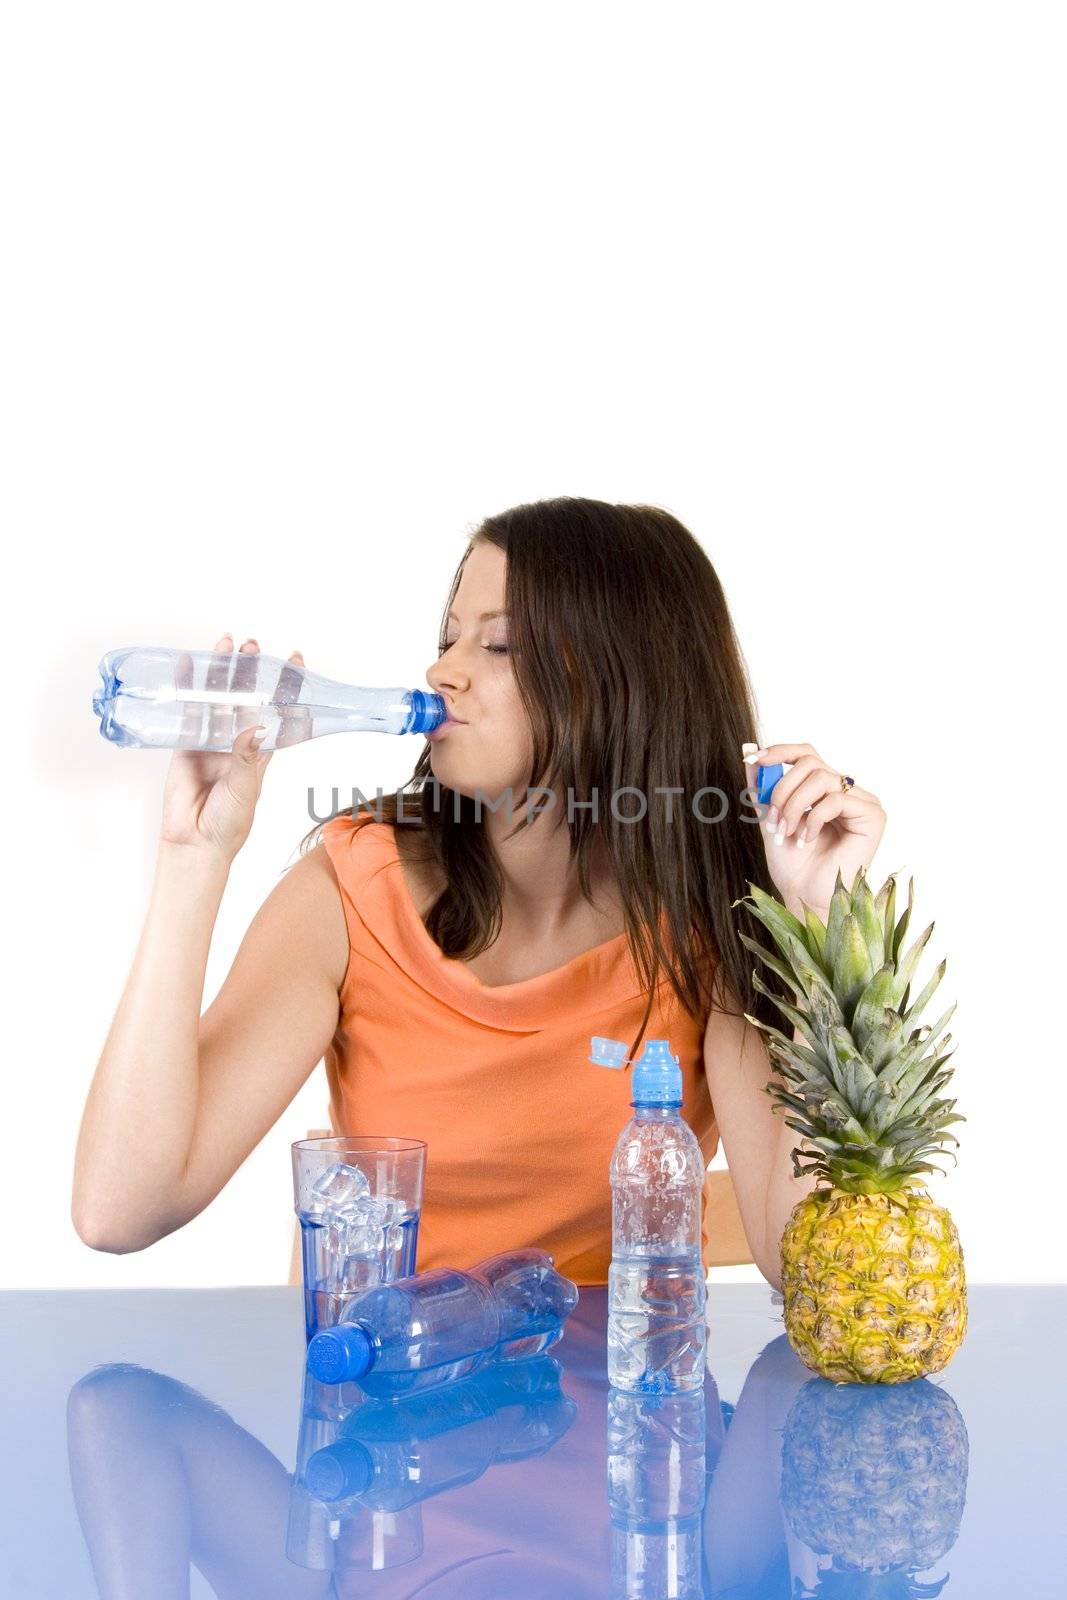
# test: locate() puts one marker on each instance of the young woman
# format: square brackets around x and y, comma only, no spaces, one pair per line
[563,863]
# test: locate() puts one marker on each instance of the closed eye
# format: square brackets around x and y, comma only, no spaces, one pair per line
[494,649]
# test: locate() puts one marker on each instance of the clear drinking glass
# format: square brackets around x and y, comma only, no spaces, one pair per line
[359,1200]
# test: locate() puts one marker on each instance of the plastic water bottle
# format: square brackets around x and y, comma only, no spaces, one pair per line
[158,698]
[657,1333]
[433,1327]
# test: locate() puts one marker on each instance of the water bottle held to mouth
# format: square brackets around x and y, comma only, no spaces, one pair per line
[158,698]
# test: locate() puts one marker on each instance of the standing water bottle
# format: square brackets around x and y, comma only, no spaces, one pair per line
[158,698]
[657,1333]
[418,1332]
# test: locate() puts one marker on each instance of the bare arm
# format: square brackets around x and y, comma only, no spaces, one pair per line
[178,1100]
[755,1138]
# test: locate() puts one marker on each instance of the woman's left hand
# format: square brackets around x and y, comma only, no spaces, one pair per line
[815,828]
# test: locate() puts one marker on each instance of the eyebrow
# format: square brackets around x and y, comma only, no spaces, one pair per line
[486,616]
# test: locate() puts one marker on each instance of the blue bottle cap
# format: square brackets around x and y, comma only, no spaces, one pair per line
[338,1470]
[339,1354]
[608,1052]
[657,1076]
[427,712]
[766,778]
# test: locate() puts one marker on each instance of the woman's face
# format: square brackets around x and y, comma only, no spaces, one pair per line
[488,748]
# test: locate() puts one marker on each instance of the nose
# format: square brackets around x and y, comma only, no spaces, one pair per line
[447,673]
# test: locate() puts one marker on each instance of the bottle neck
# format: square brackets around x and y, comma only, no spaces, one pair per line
[655,1113]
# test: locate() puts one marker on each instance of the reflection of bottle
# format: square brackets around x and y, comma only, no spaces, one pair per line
[656,1487]
[200,700]
[875,1477]
[436,1326]
[389,1454]
[362,1474]
[656,1288]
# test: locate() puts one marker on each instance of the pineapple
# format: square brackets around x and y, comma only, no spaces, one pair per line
[876,1479]
[872,1271]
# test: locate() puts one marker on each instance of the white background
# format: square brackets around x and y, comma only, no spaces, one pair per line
[295,295]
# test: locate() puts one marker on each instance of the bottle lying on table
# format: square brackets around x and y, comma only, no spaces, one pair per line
[436,1326]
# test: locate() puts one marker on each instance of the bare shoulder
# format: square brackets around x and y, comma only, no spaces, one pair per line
[308,898]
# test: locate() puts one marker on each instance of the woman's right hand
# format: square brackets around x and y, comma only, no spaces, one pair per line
[210,797]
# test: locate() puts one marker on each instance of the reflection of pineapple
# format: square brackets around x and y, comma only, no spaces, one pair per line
[872,1271]
[840,1584]
[875,1478]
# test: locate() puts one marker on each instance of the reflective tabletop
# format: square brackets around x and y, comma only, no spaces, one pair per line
[165,1444]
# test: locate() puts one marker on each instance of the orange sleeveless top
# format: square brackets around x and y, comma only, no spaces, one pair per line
[519,1125]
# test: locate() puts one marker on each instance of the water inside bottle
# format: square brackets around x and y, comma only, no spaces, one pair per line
[657,1332]
[156,697]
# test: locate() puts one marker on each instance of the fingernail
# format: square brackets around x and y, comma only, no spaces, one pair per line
[772,817]
[802,838]
[780,835]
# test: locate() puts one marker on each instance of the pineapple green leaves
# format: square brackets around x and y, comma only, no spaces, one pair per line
[861,1078]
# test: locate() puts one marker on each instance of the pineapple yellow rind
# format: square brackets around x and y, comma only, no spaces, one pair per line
[872,1271]
[873,1291]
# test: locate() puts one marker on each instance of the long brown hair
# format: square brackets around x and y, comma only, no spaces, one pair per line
[630,672]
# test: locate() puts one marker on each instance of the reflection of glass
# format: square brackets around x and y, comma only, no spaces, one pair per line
[340,1539]
[656,1486]
[328,1534]
[362,1476]
[875,1478]
[359,1201]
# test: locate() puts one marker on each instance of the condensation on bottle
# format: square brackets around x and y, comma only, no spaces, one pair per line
[657,1329]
